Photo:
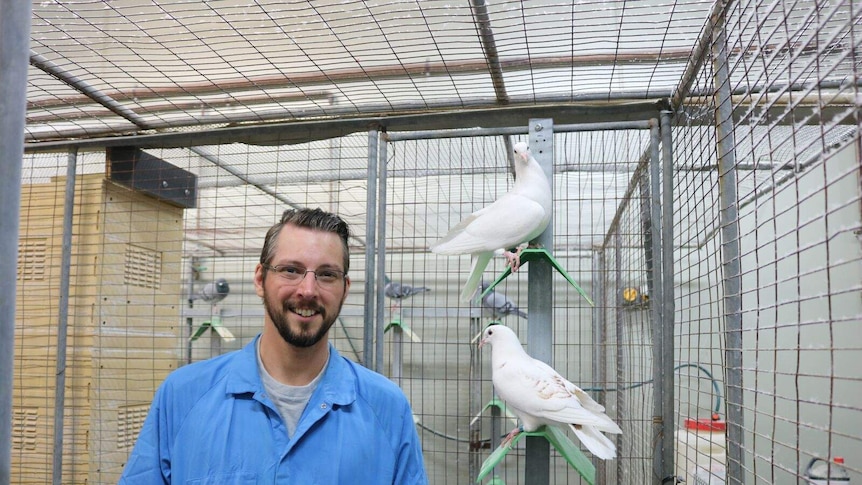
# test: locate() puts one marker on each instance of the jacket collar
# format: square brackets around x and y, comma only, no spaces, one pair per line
[338,385]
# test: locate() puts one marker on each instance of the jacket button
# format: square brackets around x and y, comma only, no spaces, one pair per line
[323,406]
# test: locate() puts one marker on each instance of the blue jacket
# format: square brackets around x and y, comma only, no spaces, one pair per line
[211,423]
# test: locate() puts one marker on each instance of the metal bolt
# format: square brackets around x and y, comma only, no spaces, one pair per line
[165,183]
[539,127]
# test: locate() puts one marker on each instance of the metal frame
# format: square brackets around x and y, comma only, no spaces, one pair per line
[730,256]
[15,39]
[540,305]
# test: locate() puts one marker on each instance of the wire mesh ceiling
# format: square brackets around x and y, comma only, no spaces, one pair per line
[110,70]
[121,67]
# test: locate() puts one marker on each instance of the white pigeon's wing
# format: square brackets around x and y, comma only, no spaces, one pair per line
[509,221]
[604,423]
[586,401]
[538,390]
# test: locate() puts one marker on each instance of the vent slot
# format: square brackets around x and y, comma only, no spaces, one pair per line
[31,259]
[143,267]
[129,424]
[24,426]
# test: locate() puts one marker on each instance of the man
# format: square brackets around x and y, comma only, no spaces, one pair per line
[286,408]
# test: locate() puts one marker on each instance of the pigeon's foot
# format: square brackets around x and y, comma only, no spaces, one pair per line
[513,259]
[509,437]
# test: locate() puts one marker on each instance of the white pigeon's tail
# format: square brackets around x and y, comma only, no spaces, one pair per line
[598,444]
[480,262]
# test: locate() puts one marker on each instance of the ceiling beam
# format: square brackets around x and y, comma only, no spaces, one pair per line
[286,133]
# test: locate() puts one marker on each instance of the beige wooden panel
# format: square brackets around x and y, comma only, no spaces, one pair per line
[124,333]
[139,315]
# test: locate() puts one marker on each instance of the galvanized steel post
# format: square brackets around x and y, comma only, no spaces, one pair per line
[380,304]
[15,39]
[63,315]
[730,263]
[620,343]
[540,300]
[665,379]
[599,317]
[656,298]
[370,231]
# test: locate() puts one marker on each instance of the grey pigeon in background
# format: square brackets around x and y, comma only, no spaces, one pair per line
[214,291]
[497,305]
[398,291]
[517,217]
[540,396]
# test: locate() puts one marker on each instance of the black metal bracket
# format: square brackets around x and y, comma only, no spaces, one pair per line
[138,170]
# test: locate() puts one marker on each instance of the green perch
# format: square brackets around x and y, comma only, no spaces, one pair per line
[530,254]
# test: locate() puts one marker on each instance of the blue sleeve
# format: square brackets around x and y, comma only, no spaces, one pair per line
[410,464]
[150,461]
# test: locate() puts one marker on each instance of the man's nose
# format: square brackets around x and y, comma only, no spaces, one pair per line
[308,283]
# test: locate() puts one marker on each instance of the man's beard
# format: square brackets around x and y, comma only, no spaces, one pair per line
[298,339]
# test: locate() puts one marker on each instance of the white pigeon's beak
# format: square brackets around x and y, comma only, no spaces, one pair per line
[482,342]
[477,337]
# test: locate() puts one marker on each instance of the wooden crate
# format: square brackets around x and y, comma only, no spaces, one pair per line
[125,331]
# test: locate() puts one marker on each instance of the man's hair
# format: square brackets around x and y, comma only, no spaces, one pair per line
[315,219]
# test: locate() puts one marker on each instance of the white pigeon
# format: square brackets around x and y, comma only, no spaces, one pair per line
[539,396]
[517,217]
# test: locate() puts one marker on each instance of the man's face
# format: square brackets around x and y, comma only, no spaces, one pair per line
[302,312]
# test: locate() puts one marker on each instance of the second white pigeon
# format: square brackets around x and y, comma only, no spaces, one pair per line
[540,396]
[517,217]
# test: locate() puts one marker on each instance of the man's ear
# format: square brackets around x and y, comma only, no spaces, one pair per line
[258,280]
[346,288]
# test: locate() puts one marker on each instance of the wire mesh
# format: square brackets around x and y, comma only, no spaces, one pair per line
[139,263]
[793,80]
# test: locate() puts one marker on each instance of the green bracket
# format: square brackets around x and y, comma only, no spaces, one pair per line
[572,454]
[397,322]
[530,254]
[216,326]
[499,404]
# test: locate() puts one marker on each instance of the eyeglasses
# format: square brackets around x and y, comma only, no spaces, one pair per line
[292,274]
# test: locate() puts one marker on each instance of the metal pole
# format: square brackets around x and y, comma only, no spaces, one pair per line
[517,130]
[655,308]
[475,405]
[540,301]
[190,325]
[397,363]
[731,283]
[370,231]
[381,257]
[14,39]
[63,316]
[599,317]
[620,331]
[667,302]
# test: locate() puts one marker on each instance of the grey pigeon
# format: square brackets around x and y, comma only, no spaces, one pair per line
[398,291]
[516,218]
[540,396]
[497,305]
[214,291]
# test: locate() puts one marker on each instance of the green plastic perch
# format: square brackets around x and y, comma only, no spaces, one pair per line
[530,254]
[567,449]
[397,322]
[215,325]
